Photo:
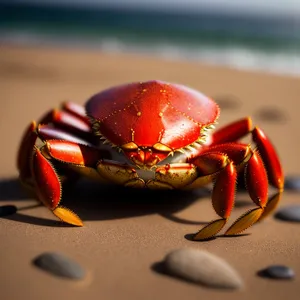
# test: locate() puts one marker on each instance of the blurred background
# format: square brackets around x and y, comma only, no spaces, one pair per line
[251,35]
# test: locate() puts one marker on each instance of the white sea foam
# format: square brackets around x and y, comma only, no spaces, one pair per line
[278,61]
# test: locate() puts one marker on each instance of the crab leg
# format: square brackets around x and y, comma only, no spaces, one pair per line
[234,156]
[270,158]
[46,132]
[65,120]
[46,180]
[69,121]
[232,132]
[76,110]
[28,141]
[222,199]
[48,189]
[241,128]
[257,185]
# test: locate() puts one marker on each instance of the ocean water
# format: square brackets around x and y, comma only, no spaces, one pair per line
[250,42]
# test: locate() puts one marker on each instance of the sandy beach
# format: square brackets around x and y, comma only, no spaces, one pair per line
[124,239]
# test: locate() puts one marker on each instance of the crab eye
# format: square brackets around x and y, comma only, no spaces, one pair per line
[130,146]
[161,147]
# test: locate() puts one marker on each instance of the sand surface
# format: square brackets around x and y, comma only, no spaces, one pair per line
[126,234]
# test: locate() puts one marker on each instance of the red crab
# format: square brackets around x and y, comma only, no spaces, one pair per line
[153,135]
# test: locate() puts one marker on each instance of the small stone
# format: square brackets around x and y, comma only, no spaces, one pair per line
[277,272]
[6,210]
[289,213]
[203,268]
[59,265]
[292,183]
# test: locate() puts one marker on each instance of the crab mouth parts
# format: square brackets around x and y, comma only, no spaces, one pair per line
[145,157]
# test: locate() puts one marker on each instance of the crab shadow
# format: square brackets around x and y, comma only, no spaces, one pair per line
[12,190]
[92,202]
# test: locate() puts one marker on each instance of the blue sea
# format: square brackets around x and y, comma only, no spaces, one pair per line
[266,43]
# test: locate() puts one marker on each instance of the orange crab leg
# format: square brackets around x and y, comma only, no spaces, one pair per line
[65,119]
[232,132]
[48,186]
[76,110]
[82,156]
[225,182]
[222,199]
[257,185]
[28,142]
[68,122]
[237,130]
[270,158]
[48,189]
[256,181]
[46,132]
[73,153]
[47,182]
[237,152]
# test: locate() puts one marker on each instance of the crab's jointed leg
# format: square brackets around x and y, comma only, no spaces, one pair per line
[46,180]
[261,167]
[36,170]
[222,200]
[55,125]
[71,119]
[48,189]
[241,128]
[223,193]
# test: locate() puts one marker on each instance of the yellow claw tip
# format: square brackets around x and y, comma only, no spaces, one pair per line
[68,216]
[210,230]
[281,185]
[245,221]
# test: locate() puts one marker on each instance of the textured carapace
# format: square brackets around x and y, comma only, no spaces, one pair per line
[148,120]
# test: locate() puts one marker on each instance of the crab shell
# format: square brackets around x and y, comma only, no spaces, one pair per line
[149,120]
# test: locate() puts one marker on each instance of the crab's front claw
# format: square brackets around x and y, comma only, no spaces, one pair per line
[48,188]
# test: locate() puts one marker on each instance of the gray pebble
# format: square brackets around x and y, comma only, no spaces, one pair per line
[59,265]
[292,183]
[289,213]
[277,272]
[203,268]
[6,210]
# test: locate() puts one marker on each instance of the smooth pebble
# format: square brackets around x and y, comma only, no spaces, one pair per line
[289,213]
[203,268]
[59,265]
[277,272]
[6,210]
[292,183]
